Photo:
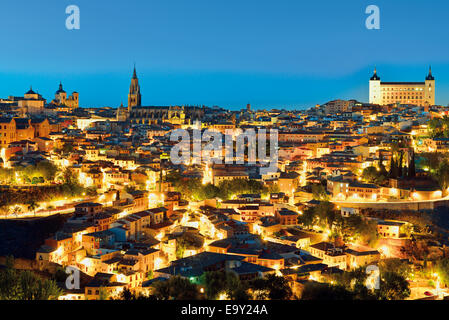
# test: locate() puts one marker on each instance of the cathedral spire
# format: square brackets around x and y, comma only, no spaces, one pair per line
[134,73]
[134,97]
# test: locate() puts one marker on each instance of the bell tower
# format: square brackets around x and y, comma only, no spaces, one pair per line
[134,96]
[375,92]
[430,89]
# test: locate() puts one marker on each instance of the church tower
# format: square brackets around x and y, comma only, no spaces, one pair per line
[375,92]
[430,89]
[134,97]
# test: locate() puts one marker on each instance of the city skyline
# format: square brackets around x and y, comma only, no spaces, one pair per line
[227,55]
[360,92]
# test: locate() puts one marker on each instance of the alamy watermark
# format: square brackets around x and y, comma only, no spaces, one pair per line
[73,21]
[249,145]
[373,20]
[73,280]
[373,279]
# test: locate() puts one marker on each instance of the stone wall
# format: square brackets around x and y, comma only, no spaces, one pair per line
[412,206]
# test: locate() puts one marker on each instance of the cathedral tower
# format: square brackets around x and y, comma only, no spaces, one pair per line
[134,96]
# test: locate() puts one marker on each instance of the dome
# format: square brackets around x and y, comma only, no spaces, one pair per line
[60,90]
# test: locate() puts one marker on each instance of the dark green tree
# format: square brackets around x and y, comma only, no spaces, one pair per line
[393,286]
[325,292]
[370,174]
[442,269]
[412,166]
[176,288]
[32,206]
[319,192]
[400,164]
[272,288]
[393,168]
[25,285]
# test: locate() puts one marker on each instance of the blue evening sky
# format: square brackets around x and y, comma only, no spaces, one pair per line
[276,53]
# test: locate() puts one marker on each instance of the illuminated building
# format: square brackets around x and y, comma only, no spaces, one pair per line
[134,96]
[61,99]
[8,132]
[157,114]
[415,93]
[31,103]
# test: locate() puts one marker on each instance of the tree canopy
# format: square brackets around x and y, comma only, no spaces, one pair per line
[25,285]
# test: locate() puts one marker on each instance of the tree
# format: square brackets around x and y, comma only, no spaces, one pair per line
[370,174]
[208,191]
[272,287]
[180,247]
[393,286]
[411,166]
[127,295]
[103,294]
[442,269]
[161,290]
[324,215]
[25,285]
[432,160]
[176,288]
[32,206]
[34,288]
[319,192]
[442,174]
[9,285]
[395,265]
[393,167]
[439,127]
[16,210]
[359,228]
[352,284]
[217,282]
[47,170]
[416,250]
[400,164]
[382,169]
[326,292]
[273,188]
[67,148]
[308,218]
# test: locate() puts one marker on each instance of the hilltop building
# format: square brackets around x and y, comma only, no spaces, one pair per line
[416,93]
[61,99]
[139,114]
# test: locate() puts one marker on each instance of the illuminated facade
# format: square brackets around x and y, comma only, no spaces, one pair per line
[61,98]
[134,96]
[137,113]
[415,93]
[31,103]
